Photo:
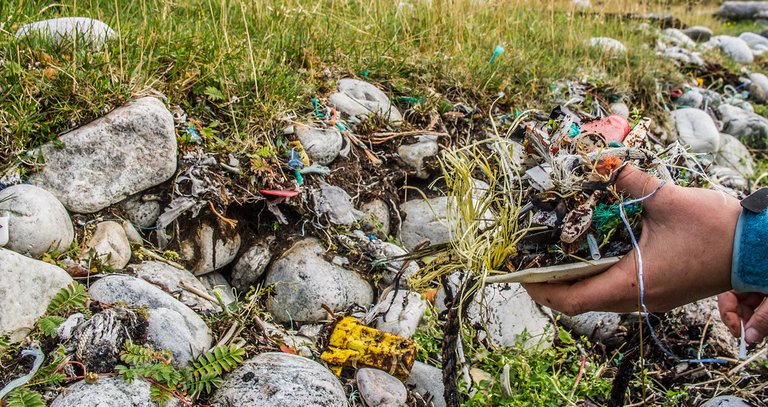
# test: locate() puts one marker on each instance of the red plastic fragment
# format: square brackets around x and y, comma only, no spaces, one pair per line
[287,193]
[613,128]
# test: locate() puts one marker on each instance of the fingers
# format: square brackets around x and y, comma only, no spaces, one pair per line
[635,182]
[757,327]
[614,290]
[728,305]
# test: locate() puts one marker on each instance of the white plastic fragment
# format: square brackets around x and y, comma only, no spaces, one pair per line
[540,177]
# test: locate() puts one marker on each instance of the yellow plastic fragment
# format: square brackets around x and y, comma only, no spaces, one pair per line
[302,153]
[356,345]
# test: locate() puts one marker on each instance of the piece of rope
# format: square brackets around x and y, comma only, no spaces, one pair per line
[636,246]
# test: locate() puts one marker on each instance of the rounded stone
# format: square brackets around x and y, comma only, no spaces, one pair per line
[143,213]
[380,389]
[90,32]
[399,312]
[250,266]
[37,222]
[107,391]
[376,217]
[736,48]
[322,145]
[211,247]
[280,379]
[110,244]
[304,281]
[415,154]
[735,155]
[698,33]
[696,129]
[608,45]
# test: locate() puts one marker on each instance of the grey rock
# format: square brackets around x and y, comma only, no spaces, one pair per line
[105,161]
[698,314]
[216,282]
[250,266]
[736,48]
[758,88]
[698,33]
[415,154]
[133,235]
[682,55]
[380,389]
[608,328]
[399,312]
[172,325]
[755,41]
[427,381]
[386,253]
[280,379]
[336,203]
[66,330]
[677,37]
[171,280]
[322,145]
[142,210]
[726,401]
[735,155]
[504,312]
[728,177]
[304,281]
[37,221]
[212,246]
[360,99]
[750,128]
[376,218]
[738,10]
[427,220]
[620,109]
[696,129]
[27,286]
[99,341]
[110,244]
[690,98]
[88,32]
[107,392]
[608,45]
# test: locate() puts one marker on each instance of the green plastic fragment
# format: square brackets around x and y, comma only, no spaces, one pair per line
[606,217]
[615,144]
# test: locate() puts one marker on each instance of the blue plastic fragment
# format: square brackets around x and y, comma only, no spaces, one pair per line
[294,160]
[574,131]
[496,52]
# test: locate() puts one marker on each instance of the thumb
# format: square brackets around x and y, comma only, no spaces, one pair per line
[635,182]
[757,326]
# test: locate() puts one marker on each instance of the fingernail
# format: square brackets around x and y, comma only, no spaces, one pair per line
[752,336]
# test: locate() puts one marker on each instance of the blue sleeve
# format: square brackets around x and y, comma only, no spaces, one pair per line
[749,271]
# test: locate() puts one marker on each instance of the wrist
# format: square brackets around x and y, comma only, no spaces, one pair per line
[749,268]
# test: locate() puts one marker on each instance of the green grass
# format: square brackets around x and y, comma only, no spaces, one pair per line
[246,65]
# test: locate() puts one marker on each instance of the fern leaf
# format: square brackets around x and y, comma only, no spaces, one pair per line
[217,361]
[205,383]
[24,398]
[71,297]
[48,325]
[159,395]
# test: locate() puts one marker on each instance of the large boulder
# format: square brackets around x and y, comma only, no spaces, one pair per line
[608,45]
[696,129]
[756,42]
[698,33]
[107,391]
[37,221]
[304,280]
[280,379]
[105,161]
[86,31]
[172,325]
[749,127]
[27,286]
[360,99]
[758,87]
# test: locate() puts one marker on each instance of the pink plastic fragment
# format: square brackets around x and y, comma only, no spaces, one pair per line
[613,128]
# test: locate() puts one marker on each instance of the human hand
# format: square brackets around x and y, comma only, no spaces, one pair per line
[748,307]
[686,245]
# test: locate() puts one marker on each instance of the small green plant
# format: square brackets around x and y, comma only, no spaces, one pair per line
[68,300]
[24,398]
[167,381]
